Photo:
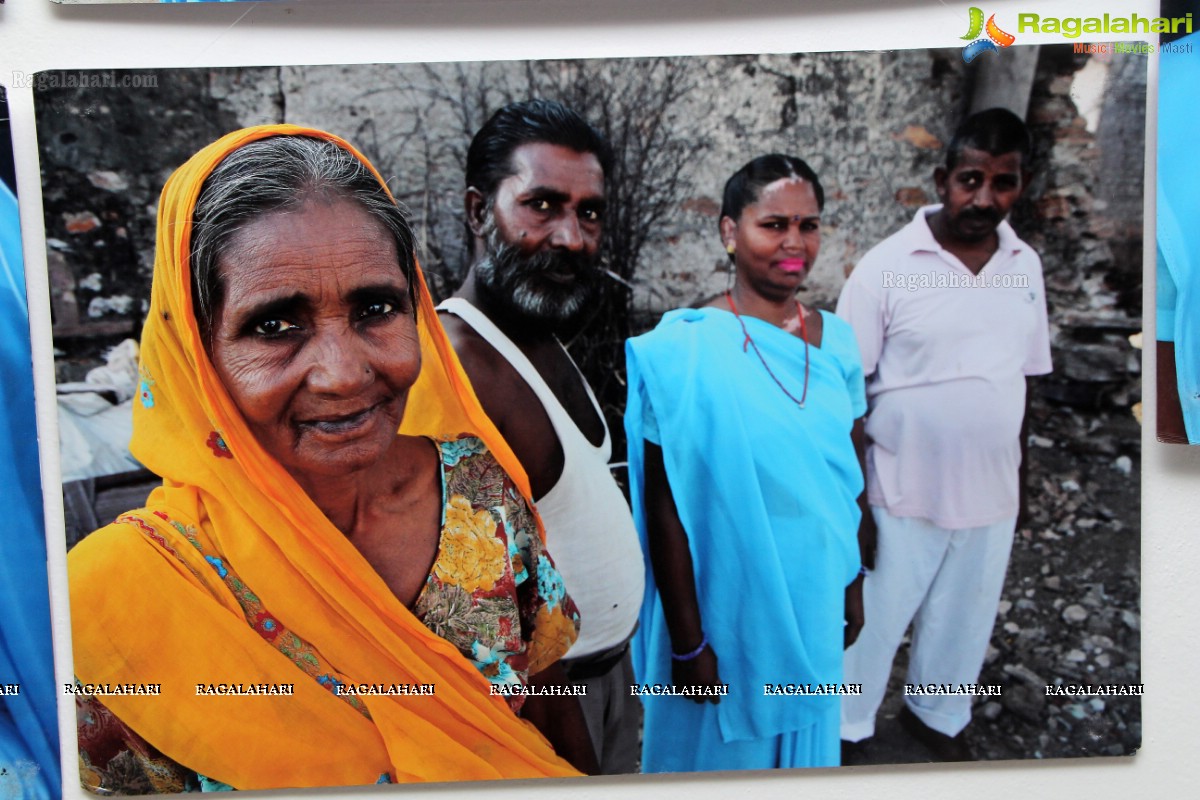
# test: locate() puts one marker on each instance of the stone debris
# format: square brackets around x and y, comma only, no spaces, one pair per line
[108,180]
[102,306]
[81,222]
[1027,702]
[1069,610]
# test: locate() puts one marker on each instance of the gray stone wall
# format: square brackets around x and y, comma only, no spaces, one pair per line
[872,124]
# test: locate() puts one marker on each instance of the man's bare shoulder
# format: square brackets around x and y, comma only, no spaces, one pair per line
[476,353]
[498,385]
[512,405]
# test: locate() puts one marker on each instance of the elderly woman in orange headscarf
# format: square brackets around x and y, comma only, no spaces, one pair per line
[319,599]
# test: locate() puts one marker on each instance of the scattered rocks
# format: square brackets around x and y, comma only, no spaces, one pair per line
[81,222]
[1080,626]
[1024,674]
[102,306]
[1075,613]
[107,180]
[1025,701]
[1096,363]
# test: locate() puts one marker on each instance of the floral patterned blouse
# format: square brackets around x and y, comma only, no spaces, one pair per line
[493,592]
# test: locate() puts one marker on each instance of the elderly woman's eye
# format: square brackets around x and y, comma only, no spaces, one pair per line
[381,308]
[274,327]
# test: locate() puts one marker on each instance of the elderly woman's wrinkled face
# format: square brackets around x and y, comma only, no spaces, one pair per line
[316,340]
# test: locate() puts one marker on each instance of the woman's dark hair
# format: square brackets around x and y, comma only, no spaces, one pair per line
[489,158]
[280,173]
[743,186]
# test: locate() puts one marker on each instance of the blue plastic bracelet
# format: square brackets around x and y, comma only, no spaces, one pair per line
[689,656]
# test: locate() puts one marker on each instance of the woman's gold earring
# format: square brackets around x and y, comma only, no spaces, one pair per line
[729,248]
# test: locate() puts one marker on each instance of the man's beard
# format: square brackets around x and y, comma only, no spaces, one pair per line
[517,286]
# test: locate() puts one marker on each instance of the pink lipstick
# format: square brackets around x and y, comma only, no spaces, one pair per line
[792,265]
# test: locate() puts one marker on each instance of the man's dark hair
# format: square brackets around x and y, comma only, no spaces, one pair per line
[489,159]
[996,131]
[743,187]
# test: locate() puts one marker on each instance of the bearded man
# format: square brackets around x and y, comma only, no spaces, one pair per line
[535,204]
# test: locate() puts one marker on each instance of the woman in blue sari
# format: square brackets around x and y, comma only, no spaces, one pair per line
[1177,287]
[746,486]
[28,726]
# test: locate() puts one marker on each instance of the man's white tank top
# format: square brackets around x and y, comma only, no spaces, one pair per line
[589,530]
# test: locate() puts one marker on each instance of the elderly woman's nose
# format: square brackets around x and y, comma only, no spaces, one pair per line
[338,362]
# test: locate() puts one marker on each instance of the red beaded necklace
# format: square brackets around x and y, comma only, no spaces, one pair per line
[749,342]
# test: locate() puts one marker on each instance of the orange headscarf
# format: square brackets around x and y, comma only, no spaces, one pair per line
[147,606]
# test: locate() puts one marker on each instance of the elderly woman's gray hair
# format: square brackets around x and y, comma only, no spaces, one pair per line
[280,173]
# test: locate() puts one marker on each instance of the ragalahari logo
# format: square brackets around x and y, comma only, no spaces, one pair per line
[992,43]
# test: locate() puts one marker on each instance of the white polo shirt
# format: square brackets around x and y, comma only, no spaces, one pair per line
[946,353]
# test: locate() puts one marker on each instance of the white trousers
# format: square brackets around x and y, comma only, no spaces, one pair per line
[948,584]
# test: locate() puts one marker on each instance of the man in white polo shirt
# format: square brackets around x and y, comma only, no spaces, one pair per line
[950,315]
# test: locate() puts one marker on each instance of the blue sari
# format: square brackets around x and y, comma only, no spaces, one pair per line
[28,722]
[767,493]
[1178,250]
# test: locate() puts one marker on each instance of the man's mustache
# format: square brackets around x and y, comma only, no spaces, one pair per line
[509,258]
[981,214]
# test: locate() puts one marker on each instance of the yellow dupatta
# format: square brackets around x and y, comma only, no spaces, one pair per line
[148,607]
